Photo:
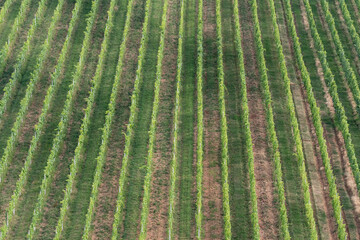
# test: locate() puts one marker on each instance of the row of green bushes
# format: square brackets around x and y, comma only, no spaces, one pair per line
[84,130]
[21,182]
[174,164]
[316,118]
[284,222]
[25,102]
[223,125]
[22,57]
[349,23]
[246,125]
[357,2]
[295,128]
[4,10]
[340,117]
[14,33]
[130,126]
[200,121]
[63,124]
[270,124]
[152,131]
[348,70]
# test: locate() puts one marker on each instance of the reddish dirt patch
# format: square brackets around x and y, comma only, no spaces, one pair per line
[212,188]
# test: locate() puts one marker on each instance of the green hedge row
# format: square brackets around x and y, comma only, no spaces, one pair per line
[223,126]
[152,131]
[200,122]
[21,182]
[23,54]
[25,102]
[85,127]
[295,128]
[246,125]
[14,33]
[348,70]
[284,225]
[130,126]
[316,118]
[4,10]
[341,118]
[357,4]
[63,124]
[349,23]
[173,164]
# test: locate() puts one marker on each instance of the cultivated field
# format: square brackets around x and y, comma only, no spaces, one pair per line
[179,119]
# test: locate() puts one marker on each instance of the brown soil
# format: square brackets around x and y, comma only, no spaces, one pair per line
[212,188]
[159,201]
[265,189]
[319,185]
[338,155]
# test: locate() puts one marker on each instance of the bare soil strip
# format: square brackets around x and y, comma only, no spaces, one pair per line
[212,191]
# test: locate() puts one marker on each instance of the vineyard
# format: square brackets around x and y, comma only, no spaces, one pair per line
[179,119]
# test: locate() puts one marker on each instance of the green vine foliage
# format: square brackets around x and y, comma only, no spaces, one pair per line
[223,125]
[108,122]
[295,127]
[200,122]
[316,118]
[21,182]
[62,126]
[284,225]
[340,117]
[131,122]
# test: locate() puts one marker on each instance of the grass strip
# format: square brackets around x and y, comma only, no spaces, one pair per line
[62,126]
[130,126]
[295,127]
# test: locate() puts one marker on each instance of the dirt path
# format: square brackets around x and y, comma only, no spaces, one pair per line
[212,190]
[335,142]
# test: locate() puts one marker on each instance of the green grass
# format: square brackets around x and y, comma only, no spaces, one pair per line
[36,173]
[139,144]
[296,211]
[332,57]
[328,122]
[238,169]
[80,202]
[5,27]
[185,206]
[344,34]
